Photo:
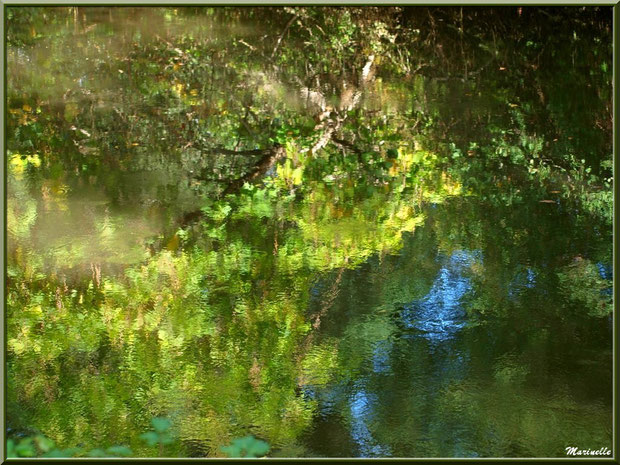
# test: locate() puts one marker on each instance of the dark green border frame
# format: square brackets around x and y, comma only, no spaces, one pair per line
[251,3]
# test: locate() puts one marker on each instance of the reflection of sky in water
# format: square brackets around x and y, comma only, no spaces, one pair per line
[381,357]
[439,314]
[524,280]
[531,278]
[361,406]
[606,272]
[437,317]
[362,412]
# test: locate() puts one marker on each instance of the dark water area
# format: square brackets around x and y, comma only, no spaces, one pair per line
[434,377]
[347,232]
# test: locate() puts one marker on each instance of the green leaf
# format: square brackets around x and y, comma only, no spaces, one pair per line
[231,451]
[25,448]
[97,453]
[119,450]
[247,446]
[161,424]
[44,444]
[151,438]
[62,453]
[10,449]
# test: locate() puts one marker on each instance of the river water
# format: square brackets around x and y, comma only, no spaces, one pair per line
[352,314]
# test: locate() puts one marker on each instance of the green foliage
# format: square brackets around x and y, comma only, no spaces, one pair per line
[114,451]
[160,434]
[40,446]
[247,447]
[600,204]
[583,286]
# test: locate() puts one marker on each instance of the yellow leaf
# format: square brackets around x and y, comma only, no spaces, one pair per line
[34,160]
[297,175]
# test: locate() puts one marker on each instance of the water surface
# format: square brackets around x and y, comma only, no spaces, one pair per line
[372,295]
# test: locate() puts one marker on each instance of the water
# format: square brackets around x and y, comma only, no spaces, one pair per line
[439,315]
[374,297]
[450,366]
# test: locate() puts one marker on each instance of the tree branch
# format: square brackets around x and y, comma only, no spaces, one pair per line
[262,166]
[348,145]
[243,153]
[288,25]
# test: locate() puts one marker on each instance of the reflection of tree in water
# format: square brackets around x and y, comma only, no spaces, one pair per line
[169,109]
